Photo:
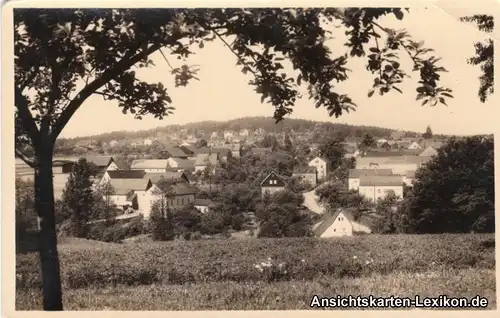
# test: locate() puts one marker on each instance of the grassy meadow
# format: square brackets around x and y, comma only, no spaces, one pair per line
[261,274]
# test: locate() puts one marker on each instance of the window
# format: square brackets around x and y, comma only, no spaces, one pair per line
[182,201]
[340,219]
[378,190]
[334,230]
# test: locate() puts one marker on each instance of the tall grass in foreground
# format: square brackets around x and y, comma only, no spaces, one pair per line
[104,265]
[289,295]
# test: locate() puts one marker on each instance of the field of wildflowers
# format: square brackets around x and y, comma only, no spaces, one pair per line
[258,261]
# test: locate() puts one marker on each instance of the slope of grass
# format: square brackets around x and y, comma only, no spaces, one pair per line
[289,295]
[93,265]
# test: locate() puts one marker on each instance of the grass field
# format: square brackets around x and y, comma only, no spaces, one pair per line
[222,274]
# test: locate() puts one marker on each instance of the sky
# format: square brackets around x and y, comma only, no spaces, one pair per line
[223,93]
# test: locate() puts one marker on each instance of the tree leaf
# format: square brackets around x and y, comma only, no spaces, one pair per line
[371,92]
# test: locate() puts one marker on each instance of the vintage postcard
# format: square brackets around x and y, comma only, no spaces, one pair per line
[201,158]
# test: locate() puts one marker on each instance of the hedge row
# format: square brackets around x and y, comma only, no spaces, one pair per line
[235,260]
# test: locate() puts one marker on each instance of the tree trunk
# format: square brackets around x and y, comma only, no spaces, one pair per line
[49,259]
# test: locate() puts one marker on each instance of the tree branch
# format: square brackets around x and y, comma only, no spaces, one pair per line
[124,64]
[29,162]
[166,60]
[24,114]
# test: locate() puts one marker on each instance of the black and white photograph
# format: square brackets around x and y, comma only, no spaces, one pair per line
[249,158]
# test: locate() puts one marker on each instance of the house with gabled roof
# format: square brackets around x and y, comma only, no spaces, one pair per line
[203,160]
[321,165]
[127,192]
[428,152]
[150,165]
[355,175]
[177,164]
[307,174]
[272,183]
[377,187]
[170,176]
[336,224]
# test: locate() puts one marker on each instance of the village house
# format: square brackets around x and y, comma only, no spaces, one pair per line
[355,174]
[203,160]
[150,165]
[428,152]
[147,142]
[321,166]
[334,225]
[397,135]
[177,164]
[121,174]
[113,143]
[203,205]
[174,152]
[400,165]
[307,174]
[228,135]
[130,193]
[393,153]
[414,145]
[214,135]
[272,184]
[189,150]
[377,187]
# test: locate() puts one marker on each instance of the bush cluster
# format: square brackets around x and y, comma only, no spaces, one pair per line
[181,262]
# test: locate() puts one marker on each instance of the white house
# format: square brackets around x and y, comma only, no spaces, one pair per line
[377,187]
[414,145]
[202,205]
[180,165]
[355,174]
[130,193]
[321,166]
[150,165]
[335,225]
[428,152]
[400,165]
[147,142]
[203,160]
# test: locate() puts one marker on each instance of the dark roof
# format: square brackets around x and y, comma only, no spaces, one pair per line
[126,174]
[175,152]
[62,162]
[329,219]
[202,150]
[124,186]
[121,164]
[100,161]
[189,150]
[261,150]
[273,174]
[380,181]
[168,176]
[184,163]
[356,173]
[183,189]
[202,202]
[221,151]
[303,170]
[396,153]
